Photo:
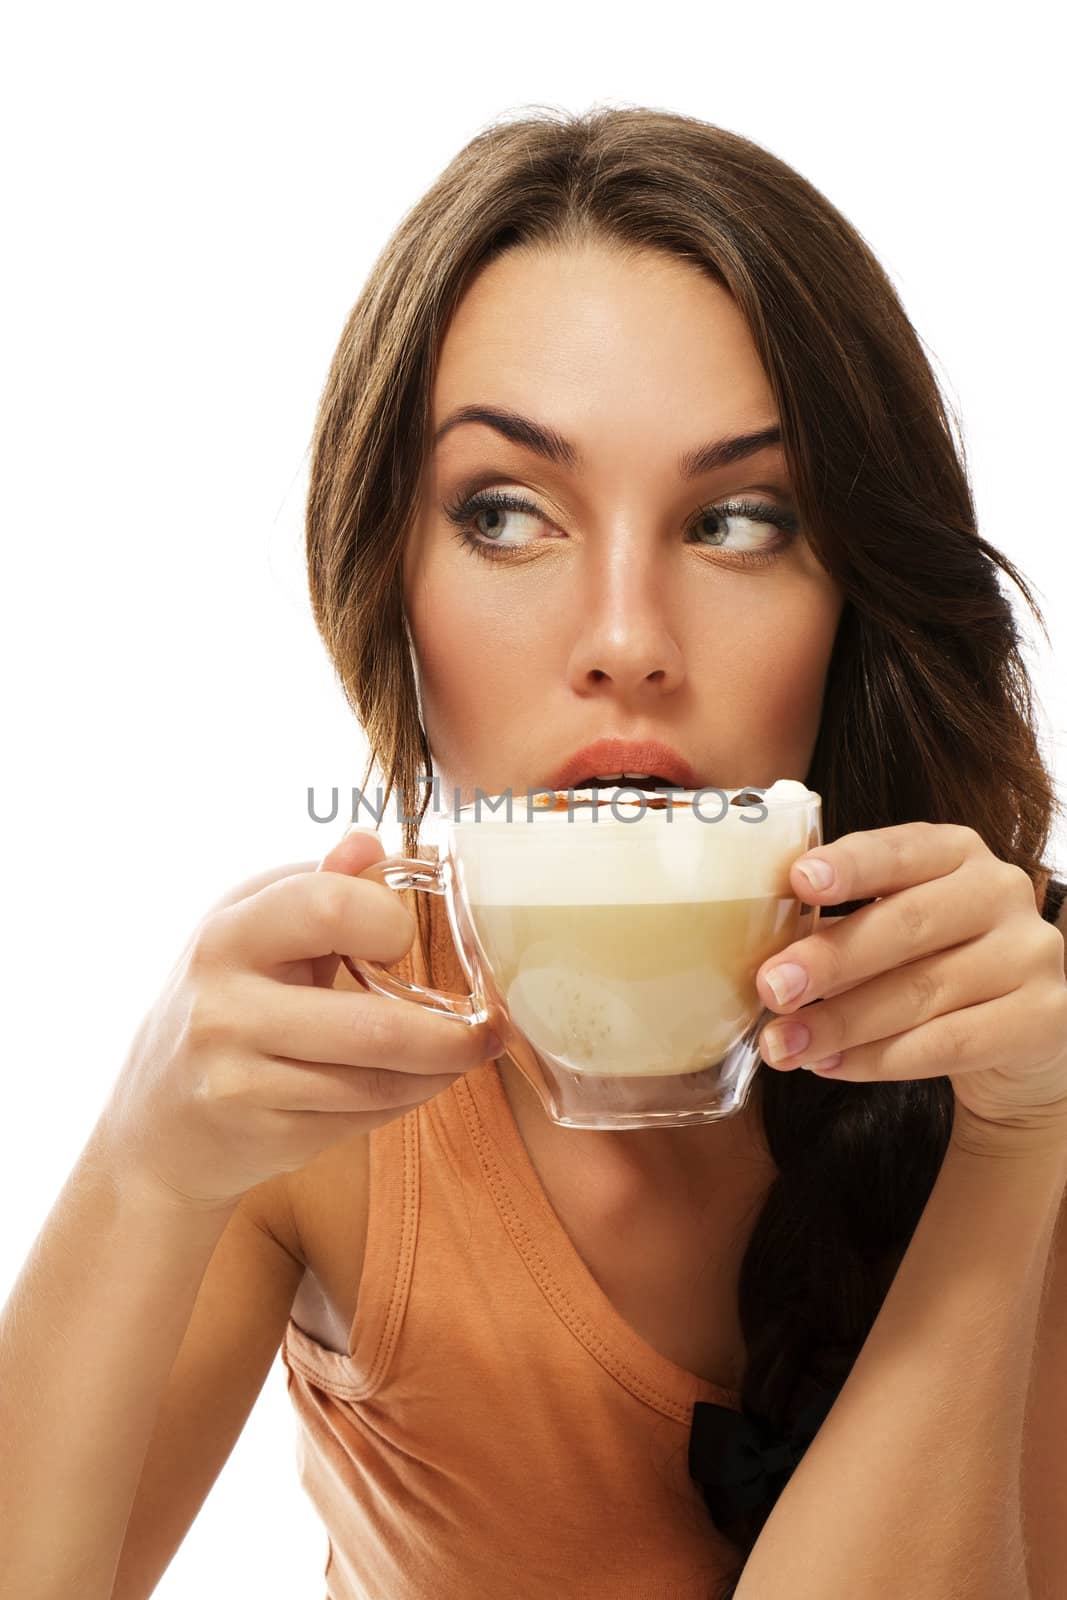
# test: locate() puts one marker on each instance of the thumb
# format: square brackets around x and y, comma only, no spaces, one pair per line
[358,849]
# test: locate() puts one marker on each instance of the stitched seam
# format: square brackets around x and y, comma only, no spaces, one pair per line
[340,1389]
[554,1293]
[395,1315]
[364,1388]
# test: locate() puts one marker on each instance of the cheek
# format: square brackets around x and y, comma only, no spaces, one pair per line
[798,660]
[465,617]
[479,674]
[769,665]
[471,651]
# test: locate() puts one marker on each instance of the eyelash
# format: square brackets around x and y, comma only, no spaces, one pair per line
[463,512]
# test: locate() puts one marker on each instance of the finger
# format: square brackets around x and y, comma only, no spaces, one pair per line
[351,853]
[880,861]
[356,1029]
[995,1034]
[904,927]
[322,1086]
[251,886]
[308,915]
[354,852]
[906,997]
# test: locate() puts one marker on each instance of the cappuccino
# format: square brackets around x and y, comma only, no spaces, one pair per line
[629,948]
[626,990]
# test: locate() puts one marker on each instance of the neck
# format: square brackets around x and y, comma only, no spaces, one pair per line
[688,1160]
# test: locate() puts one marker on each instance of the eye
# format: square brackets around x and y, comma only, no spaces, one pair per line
[496,501]
[763,530]
[753,518]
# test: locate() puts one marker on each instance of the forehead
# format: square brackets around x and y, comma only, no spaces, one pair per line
[591,332]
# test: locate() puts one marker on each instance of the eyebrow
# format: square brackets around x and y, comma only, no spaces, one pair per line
[554,447]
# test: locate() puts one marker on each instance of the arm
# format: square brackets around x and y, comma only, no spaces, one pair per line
[912,1484]
[88,1337]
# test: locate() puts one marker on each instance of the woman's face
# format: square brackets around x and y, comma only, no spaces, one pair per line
[626,599]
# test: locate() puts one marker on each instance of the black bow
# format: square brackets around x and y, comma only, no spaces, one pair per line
[741,1460]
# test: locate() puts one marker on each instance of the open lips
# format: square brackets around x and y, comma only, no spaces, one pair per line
[639,780]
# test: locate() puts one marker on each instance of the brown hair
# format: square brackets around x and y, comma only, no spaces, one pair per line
[927,712]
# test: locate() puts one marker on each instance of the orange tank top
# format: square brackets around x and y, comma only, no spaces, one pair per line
[496,1426]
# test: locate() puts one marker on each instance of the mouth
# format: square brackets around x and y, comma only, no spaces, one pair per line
[640,763]
[651,783]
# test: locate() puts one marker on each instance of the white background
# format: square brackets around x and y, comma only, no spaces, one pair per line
[193,197]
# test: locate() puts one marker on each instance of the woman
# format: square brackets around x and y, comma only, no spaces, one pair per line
[590,1364]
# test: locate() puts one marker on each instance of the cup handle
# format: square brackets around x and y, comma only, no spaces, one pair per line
[402,872]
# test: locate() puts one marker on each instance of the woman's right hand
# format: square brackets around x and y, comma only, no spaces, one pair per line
[249,1064]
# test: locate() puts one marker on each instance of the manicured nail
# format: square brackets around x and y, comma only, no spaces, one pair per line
[785,1040]
[819,873]
[786,982]
[825,1065]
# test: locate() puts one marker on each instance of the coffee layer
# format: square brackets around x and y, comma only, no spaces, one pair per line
[648,990]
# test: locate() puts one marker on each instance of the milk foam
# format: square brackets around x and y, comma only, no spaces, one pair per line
[665,856]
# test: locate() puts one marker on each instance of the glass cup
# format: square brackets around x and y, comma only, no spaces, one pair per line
[612,937]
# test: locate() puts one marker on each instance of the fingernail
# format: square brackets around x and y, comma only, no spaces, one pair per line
[786,982]
[824,1065]
[785,1040]
[819,873]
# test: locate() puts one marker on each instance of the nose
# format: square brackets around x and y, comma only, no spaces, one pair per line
[625,640]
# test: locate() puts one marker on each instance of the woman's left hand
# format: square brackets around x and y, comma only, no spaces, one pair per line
[952,971]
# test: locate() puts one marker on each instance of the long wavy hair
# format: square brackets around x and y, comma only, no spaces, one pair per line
[927,711]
